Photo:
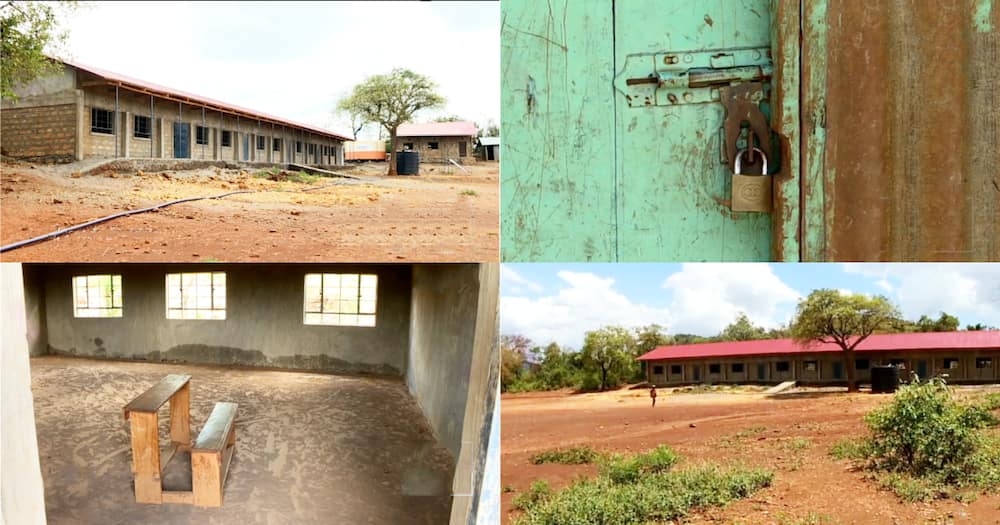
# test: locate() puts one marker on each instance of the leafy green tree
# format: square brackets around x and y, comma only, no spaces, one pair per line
[688,339]
[944,323]
[976,327]
[742,330]
[513,353]
[646,339]
[608,353]
[827,316]
[391,100]
[449,118]
[491,129]
[26,29]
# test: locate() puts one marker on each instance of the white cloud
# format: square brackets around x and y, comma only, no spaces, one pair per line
[516,284]
[586,302]
[970,289]
[707,297]
[294,60]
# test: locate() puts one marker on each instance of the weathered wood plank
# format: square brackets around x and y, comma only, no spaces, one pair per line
[206,478]
[146,457]
[178,497]
[180,416]
[152,399]
[215,433]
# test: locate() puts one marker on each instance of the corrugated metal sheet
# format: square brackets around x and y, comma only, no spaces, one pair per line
[438,129]
[930,341]
[156,89]
[903,130]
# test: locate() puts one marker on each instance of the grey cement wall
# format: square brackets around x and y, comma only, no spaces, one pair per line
[22,498]
[263,325]
[442,330]
[34,309]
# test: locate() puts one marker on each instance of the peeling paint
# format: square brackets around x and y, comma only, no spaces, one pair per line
[982,16]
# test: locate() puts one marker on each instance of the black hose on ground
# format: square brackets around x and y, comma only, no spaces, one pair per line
[70,229]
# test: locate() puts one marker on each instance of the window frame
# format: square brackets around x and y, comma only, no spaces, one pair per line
[135,126]
[298,146]
[734,370]
[676,370]
[261,143]
[988,360]
[660,368]
[335,316]
[199,131]
[110,130]
[778,365]
[714,368]
[226,140]
[276,144]
[867,362]
[212,309]
[434,145]
[810,366]
[120,296]
[946,361]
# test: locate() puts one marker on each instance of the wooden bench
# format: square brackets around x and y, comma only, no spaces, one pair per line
[211,455]
[144,412]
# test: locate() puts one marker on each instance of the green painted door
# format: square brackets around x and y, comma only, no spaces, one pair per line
[593,169]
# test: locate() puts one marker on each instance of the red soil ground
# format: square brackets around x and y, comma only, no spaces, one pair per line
[809,486]
[436,217]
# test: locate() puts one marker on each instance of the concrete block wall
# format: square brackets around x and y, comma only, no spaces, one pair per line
[42,132]
[263,326]
[447,148]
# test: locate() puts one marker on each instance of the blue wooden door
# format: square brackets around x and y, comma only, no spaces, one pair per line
[182,140]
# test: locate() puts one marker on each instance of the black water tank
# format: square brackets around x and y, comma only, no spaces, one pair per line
[885,379]
[407,162]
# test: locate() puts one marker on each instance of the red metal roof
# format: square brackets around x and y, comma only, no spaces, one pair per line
[462,128]
[876,343]
[156,89]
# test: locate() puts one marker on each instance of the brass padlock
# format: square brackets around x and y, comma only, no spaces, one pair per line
[751,192]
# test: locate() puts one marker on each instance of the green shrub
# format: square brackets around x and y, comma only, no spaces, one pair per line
[656,498]
[538,492]
[853,449]
[924,432]
[628,469]
[567,456]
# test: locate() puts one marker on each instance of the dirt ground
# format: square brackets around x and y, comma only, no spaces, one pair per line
[809,486]
[310,448]
[443,215]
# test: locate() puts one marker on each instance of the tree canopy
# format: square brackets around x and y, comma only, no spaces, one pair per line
[390,100]
[26,29]
[829,316]
[608,353]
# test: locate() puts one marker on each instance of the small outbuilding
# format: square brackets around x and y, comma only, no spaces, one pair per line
[489,148]
[439,141]
[966,357]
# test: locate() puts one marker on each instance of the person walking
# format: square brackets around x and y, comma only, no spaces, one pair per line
[652,394]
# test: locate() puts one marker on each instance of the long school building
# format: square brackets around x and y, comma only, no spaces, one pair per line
[966,357]
[84,112]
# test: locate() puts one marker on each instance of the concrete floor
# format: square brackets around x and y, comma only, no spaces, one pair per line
[311,448]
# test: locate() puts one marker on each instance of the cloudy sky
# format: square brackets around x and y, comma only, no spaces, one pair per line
[295,60]
[559,302]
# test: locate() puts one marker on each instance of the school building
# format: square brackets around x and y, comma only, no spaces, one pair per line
[83,112]
[966,357]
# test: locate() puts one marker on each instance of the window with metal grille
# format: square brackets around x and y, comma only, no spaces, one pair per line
[227,139]
[102,121]
[97,296]
[261,142]
[782,366]
[737,368]
[200,135]
[340,299]
[810,366]
[675,369]
[200,295]
[142,127]
[950,364]
[715,369]
[298,146]
[984,362]
[312,149]
[276,145]
[432,145]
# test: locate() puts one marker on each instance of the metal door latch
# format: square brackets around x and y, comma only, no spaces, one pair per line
[690,77]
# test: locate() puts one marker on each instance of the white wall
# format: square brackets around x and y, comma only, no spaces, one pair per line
[22,498]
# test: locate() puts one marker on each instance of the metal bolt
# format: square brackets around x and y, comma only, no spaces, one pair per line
[688,58]
[688,97]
